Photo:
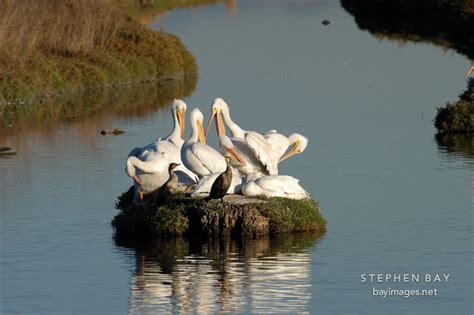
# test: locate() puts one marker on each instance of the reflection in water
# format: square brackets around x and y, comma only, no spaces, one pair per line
[442,22]
[216,275]
[101,104]
[146,12]
[458,147]
[461,145]
[231,7]
[78,117]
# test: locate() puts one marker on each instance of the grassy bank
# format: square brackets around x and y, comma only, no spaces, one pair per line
[52,46]
[190,216]
[458,117]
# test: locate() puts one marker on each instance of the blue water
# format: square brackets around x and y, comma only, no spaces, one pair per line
[395,200]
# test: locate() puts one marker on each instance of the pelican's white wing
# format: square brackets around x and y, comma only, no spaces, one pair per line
[278,142]
[165,146]
[154,162]
[282,185]
[203,159]
[262,150]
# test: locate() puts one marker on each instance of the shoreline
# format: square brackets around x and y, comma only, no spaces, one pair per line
[46,96]
[136,54]
[133,98]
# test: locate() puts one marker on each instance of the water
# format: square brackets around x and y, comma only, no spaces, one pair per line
[396,199]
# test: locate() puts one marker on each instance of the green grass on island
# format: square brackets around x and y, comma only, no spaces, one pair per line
[458,117]
[51,47]
[192,216]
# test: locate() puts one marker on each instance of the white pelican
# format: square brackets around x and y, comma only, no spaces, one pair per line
[265,150]
[169,146]
[272,148]
[174,140]
[251,162]
[219,106]
[296,143]
[273,186]
[256,153]
[197,156]
[150,174]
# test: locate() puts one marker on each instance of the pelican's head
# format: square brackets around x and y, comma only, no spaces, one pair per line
[228,146]
[196,117]
[130,169]
[179,111]
[298,144]
[218,107]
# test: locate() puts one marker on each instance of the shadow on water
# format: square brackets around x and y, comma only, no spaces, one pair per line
[213,275]
[103,104]
[446,23]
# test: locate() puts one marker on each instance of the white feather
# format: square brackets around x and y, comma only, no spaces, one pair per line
[263,151]
[275,186]
[200,158]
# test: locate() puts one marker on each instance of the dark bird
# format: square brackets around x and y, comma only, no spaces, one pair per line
[222,183]
[170,187]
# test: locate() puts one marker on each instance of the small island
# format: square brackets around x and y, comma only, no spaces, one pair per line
[236,216]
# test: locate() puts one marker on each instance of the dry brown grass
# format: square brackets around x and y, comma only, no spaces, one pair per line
[49,47]
[58,26]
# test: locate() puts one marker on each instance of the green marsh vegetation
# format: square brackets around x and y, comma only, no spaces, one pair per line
[51,47]
[192,216]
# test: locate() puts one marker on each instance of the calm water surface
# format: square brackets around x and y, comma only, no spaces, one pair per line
[396,199]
